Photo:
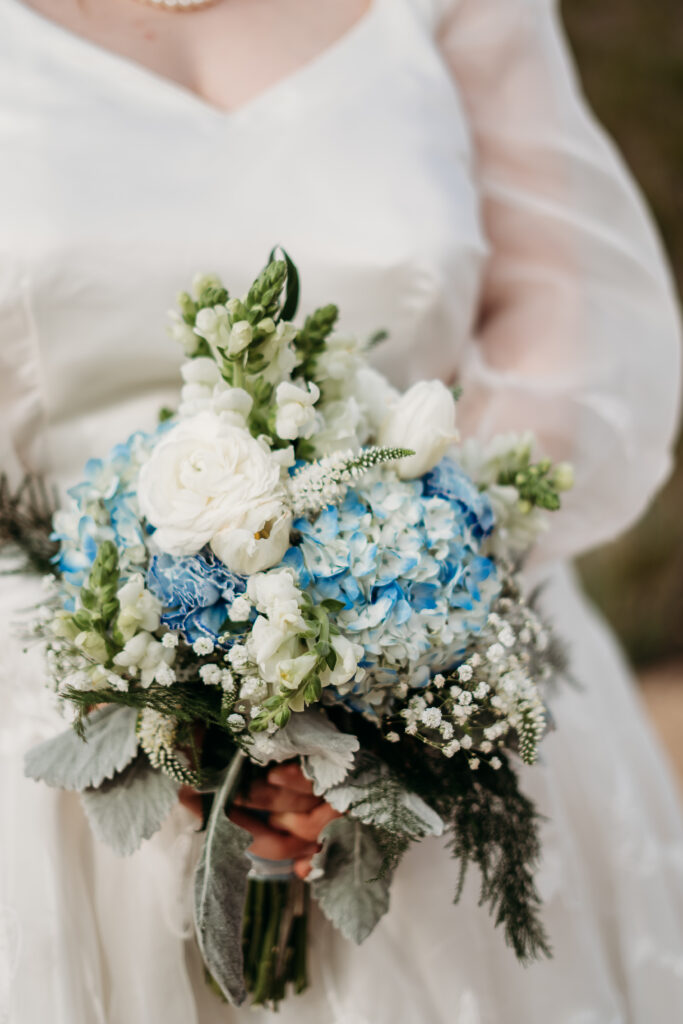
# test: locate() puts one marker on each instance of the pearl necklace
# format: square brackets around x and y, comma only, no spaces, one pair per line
[179,5]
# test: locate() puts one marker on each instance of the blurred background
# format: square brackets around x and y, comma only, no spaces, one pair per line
[630,56]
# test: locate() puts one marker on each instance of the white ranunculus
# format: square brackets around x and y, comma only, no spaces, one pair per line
[296,416]
[140,609]
[252,549]
[423,419]
[348,656]
[210,482]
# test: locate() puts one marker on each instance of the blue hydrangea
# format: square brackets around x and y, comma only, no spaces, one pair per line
[403,558]
[448,480]
[196,592]
[104,506]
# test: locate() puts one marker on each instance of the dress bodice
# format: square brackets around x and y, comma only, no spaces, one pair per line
[434,172]
[125,184]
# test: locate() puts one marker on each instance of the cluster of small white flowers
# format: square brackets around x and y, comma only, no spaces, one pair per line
[215,675]
[490,696]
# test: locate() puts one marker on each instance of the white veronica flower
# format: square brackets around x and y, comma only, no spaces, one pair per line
[208,481]
[296,416]
[423,419]
[140,609]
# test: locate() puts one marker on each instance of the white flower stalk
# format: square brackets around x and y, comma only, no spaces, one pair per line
[325,481]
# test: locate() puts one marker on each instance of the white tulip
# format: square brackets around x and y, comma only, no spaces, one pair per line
[423,419]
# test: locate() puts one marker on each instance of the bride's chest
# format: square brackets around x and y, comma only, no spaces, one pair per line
[122,185]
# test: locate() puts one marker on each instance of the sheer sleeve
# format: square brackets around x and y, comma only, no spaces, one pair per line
[578,334]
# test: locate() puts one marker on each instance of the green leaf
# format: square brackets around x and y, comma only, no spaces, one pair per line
[376,796]
[131,807]
[220,888]
[109,743]
[288,311]
[349,892]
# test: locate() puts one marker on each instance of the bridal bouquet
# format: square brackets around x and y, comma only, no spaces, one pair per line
[301,563]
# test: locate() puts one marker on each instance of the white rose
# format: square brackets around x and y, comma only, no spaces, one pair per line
[348,656]
[423,419]
[207,480]
[140,609]
[295,404]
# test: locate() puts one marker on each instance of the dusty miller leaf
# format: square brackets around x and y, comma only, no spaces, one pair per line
[349,892]
[327,753]
[373,794]
[69,762]
[130,807]
[220,888]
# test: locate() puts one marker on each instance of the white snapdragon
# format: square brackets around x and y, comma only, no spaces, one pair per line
[209,481]
[295,405]
[340,359]
[423,419]
[147,657]
[348,656]
[216,326]
[140,609]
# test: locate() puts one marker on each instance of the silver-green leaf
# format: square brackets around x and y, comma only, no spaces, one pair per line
[70,762]
[373,794]
[327,753]
[131,807]
[220,888]
[349,891]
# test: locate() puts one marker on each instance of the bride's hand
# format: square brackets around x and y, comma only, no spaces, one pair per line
[295,816]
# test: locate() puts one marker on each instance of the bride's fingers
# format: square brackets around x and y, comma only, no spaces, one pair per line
[302,867]
[290,776]
[306,826]
[268,842]
[263,796]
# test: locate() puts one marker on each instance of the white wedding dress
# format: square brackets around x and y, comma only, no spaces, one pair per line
[434,172]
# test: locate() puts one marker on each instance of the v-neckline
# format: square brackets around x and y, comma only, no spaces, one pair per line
[279,89]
